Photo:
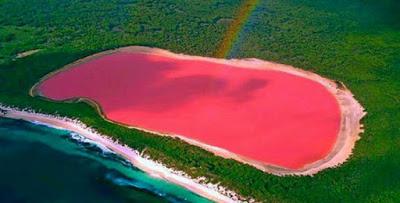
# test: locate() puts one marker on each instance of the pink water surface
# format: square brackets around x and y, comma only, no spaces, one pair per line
[268,116]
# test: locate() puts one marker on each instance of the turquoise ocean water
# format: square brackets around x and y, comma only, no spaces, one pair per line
[42,164]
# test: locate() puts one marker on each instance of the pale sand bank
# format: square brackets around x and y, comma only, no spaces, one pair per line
[27,53]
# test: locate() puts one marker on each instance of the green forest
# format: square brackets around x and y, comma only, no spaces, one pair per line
[356,42]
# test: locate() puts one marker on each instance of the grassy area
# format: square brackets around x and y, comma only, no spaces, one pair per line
[357,42]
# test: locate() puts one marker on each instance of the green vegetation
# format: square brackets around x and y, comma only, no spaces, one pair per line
[357,42]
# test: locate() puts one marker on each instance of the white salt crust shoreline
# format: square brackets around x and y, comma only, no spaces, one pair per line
[155,169]
[351,111]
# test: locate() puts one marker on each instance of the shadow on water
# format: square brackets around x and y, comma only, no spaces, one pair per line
[153,87]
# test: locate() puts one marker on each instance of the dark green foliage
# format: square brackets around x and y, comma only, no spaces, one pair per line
[357,42]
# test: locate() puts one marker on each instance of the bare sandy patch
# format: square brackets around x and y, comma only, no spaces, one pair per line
[27,53]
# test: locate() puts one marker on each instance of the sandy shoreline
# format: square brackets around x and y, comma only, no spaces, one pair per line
[210,191]
[351,111]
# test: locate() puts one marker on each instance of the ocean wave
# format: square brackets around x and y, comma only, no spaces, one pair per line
[85,140]
[130,182]
[97,148]
[47,125]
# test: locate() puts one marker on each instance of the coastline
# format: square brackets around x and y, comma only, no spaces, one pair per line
[351,110]
[155,169]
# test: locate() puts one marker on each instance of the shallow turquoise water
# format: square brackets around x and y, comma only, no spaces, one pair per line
[42,164]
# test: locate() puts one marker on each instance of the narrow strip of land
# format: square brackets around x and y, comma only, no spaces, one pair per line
[218,194]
